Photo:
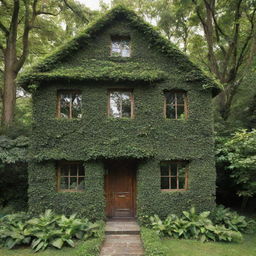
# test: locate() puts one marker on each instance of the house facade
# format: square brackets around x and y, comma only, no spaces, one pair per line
[123,125]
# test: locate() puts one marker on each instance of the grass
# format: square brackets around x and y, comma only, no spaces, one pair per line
[195,248]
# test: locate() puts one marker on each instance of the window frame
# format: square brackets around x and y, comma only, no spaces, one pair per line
[176,104]
[177,177]
[120,38]
[58,175]
[58,107]
[132,102]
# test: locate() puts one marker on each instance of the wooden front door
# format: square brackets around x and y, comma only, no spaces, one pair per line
[120,189]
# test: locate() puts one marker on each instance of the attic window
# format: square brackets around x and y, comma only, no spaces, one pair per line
[174,175]
[176,106]
[121,104]
[120,46]
[71,176]
[69,104]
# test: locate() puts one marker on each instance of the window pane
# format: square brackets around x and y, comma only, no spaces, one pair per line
[120,48]
[120,104]
[65,100]
[125,44]
[115,104]
[73,169]
[64,183]
[81,185]
[81,170]
[76,105]
[181,182]
[173,169]
[170,111]
[182,170]
[170,98]
[116,49]
[64,170]
[126,104]
[174,183]
[164,169]
[180,97]
[180,112]
[164,183]
[73,183]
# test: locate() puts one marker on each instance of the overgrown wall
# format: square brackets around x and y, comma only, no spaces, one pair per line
[149,137]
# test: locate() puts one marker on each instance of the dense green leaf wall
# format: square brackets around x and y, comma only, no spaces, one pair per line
[149,137]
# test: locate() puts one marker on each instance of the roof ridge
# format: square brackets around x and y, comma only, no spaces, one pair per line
[155,39]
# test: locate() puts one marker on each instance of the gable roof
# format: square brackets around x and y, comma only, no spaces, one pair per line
[47,69]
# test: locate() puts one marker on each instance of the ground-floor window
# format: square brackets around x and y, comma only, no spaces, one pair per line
[70,176]
[174,175]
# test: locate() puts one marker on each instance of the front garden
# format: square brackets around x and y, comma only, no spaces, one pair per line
[219,233]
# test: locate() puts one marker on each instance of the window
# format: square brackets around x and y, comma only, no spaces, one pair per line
[120,47]
[71,176]
[176,105]
[174,175]
[69,104]
[121,104]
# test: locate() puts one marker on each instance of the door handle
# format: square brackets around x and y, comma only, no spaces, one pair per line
[121,196]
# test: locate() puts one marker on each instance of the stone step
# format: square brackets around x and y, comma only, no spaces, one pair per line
[122,239]
[121,245]
[121,227]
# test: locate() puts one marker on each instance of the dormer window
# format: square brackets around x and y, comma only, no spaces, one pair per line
[176,106]
[69,104]
[120,46]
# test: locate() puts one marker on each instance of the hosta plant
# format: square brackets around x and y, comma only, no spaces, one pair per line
[46,230]
[193,226]
[14,230]
[231,220]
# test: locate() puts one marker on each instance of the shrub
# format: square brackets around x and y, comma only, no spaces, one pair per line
[92,246]
[13,230]
[193,226]
[47,230]
[152,243]
[231,220]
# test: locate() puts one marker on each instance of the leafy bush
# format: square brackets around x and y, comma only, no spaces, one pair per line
[47,230]
[92,247]
[193,226]
[13,230]
[231,220]
[152,243]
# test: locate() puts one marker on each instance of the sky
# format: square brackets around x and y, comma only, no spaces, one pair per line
[93,4]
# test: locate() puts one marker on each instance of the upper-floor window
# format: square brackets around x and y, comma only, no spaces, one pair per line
[120,46]
[71,176]
[69,104]
[176,106]
[174,175]
[121,104]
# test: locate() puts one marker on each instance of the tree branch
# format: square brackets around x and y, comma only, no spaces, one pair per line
[78,13]
[25,38]
[47,13]
[4,29]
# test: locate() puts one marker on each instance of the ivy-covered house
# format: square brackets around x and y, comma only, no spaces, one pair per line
[123,125]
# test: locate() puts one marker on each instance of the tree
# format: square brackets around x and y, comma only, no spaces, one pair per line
[238,154]
[20,20]
[230,36]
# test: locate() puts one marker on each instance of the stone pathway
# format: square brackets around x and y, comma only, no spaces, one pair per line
[122,239]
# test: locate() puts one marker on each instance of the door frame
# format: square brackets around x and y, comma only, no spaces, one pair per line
[109,199]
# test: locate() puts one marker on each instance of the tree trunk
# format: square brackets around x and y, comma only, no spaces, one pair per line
[9,90]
